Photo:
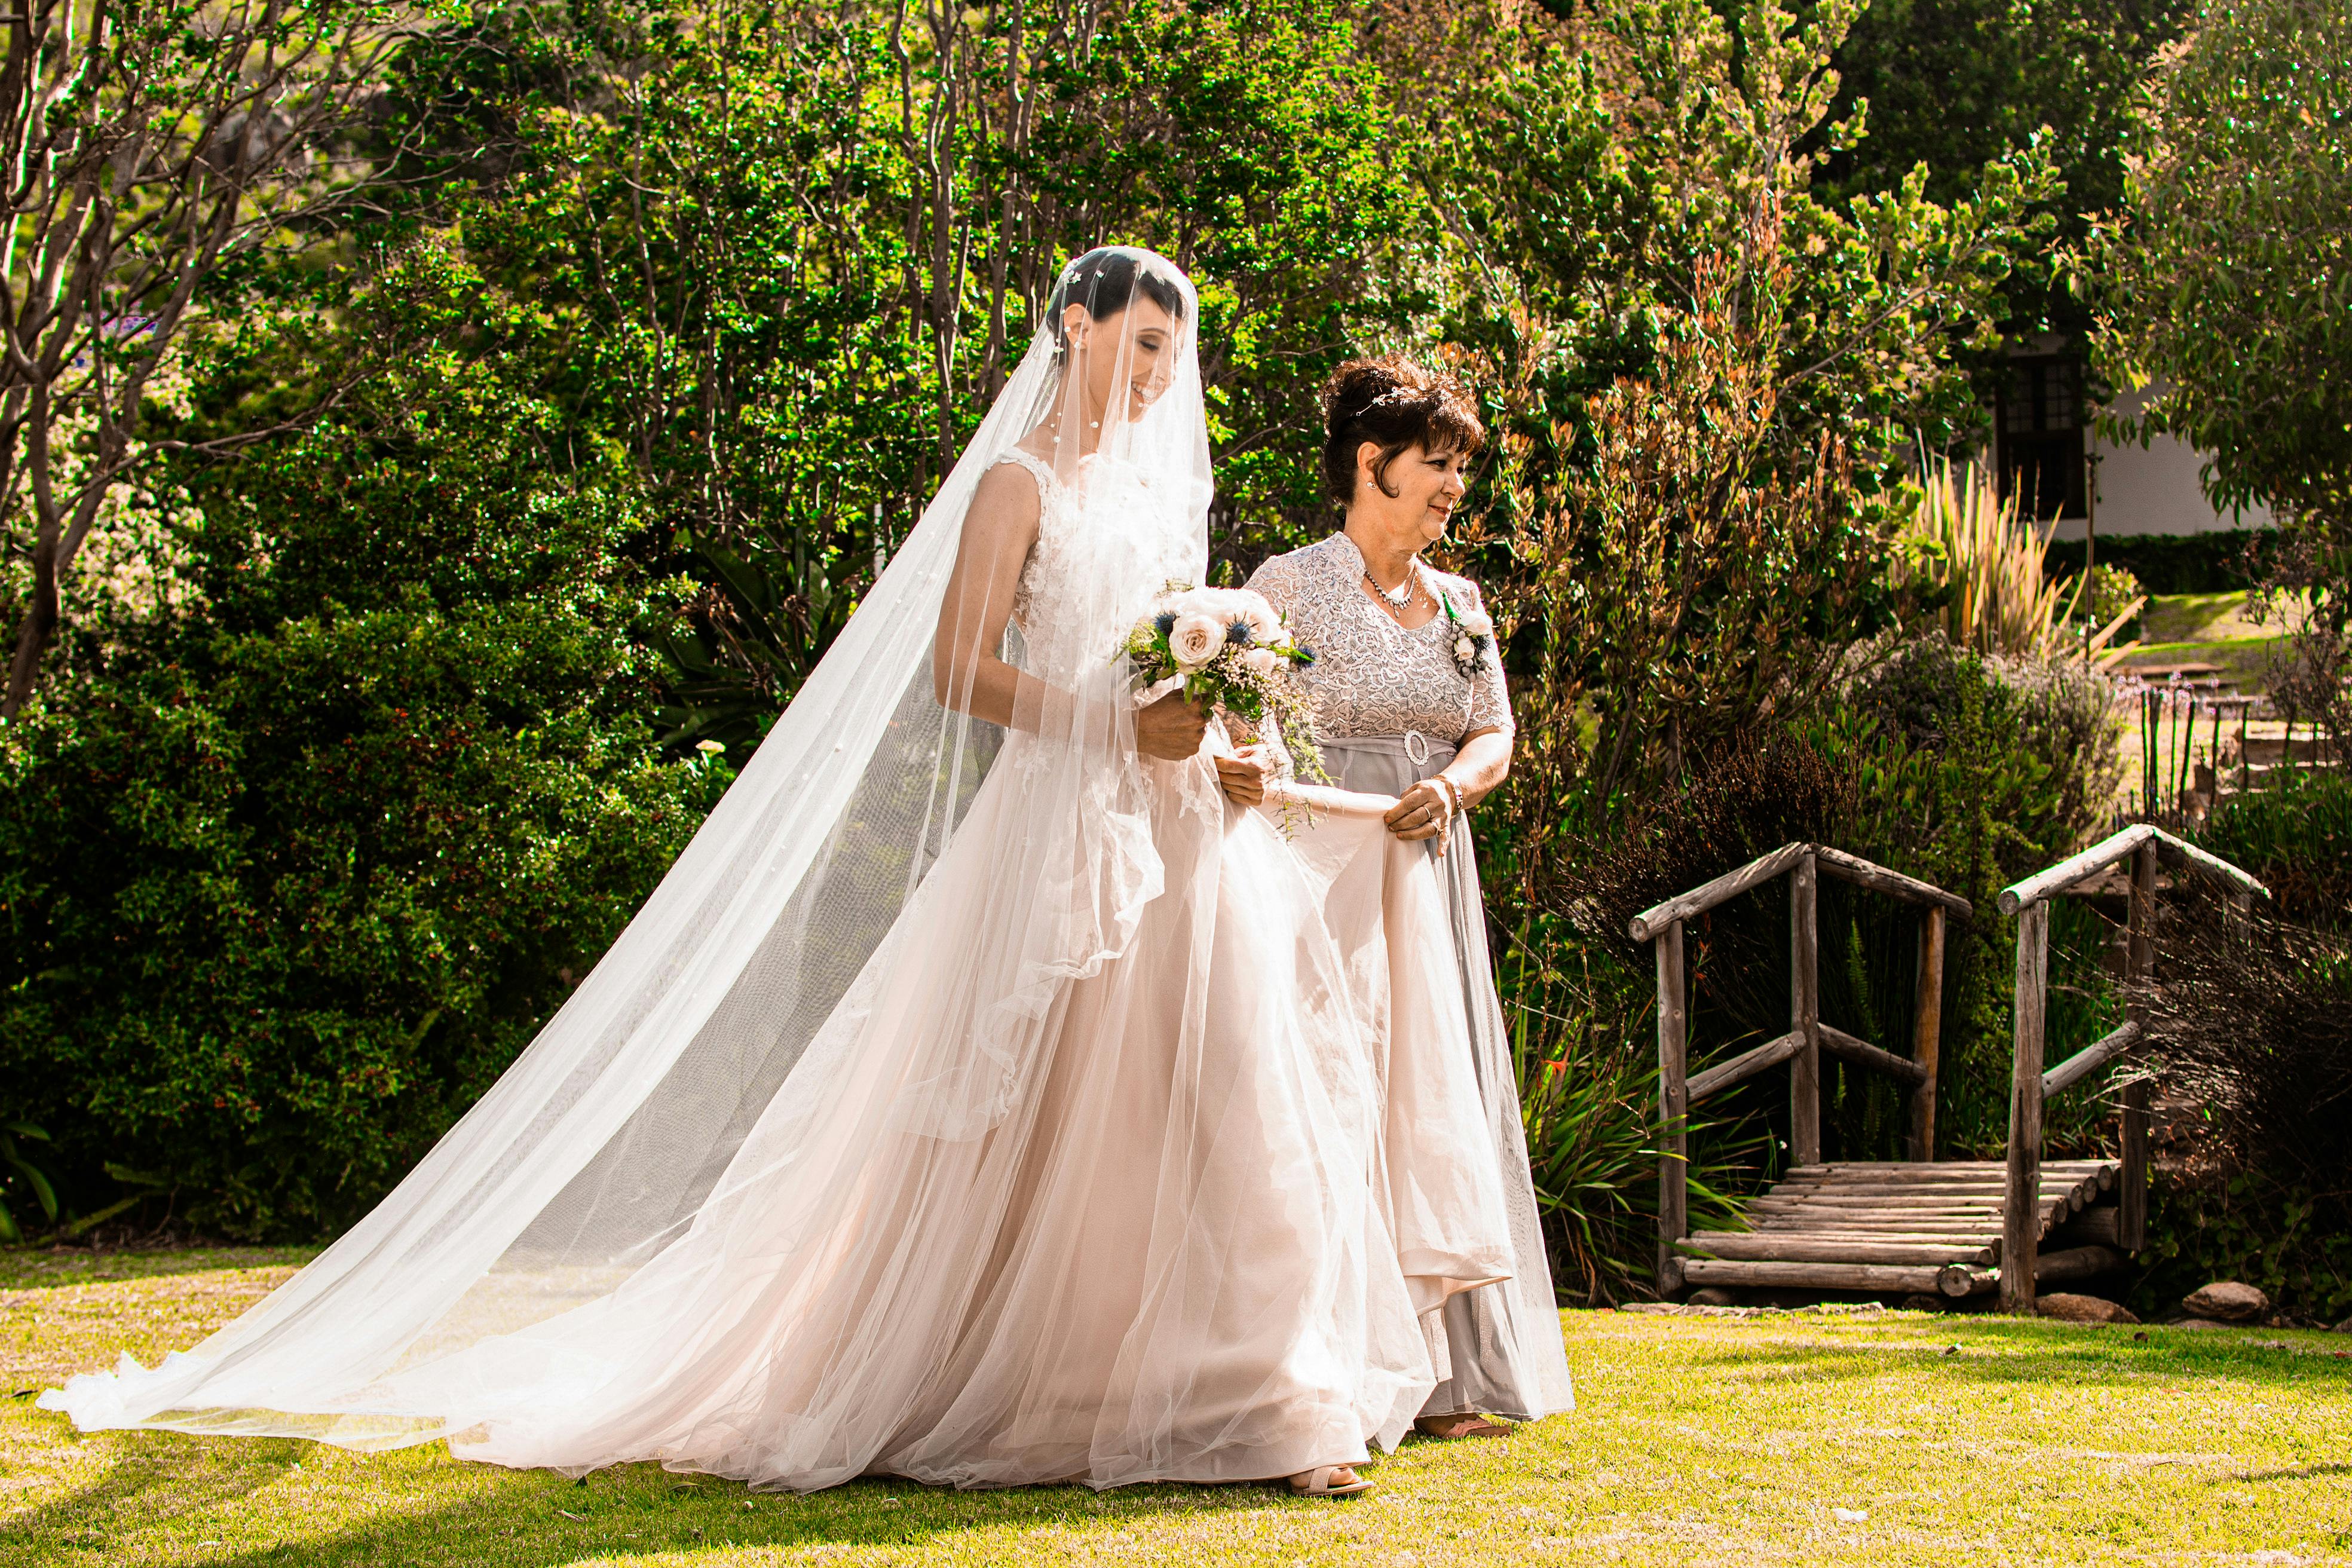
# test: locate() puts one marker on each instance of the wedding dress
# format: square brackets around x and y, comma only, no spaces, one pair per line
[1391,706]
[979,1106]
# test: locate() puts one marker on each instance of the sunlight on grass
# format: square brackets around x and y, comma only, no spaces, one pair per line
[1974,1439]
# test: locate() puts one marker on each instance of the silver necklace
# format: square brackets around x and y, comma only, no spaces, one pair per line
[1403,598]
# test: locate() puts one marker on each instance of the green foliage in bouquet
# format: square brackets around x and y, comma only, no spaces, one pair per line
[1228,650]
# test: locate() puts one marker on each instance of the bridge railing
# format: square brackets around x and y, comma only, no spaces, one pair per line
[1661,925]
[2030,1084]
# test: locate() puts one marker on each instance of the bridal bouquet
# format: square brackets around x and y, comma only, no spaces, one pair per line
[1229,648]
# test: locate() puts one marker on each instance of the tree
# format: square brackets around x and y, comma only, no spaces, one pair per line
[2220,286]
[148,147]
[1706,374]
[295,880]
[2221,282]
[1954,85]
[797,254]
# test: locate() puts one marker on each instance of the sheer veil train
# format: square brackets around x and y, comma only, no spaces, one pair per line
[981,1104]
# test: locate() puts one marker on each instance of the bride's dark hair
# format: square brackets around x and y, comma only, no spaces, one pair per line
[1105,281]
[1397,404]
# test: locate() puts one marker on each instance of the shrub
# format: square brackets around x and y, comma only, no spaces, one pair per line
[2253,1020]
[2297,837]
[2292,1243]
[2216,562]
[2254,1017]
[1971,554]
[286,893]
[2112,593]
[1963,770]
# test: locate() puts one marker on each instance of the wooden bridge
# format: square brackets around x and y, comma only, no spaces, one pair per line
[1953,1229]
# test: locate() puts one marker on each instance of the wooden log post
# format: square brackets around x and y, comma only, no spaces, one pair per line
[2020,1230]
[1805,1013]
[1927,1033]
[1673,1107]
[2131,1197]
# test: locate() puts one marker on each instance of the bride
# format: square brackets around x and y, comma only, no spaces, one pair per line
[980,1098]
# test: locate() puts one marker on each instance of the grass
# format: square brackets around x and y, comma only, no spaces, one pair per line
[2196,628]
[2199,617]
[2244,661]
[1700,1440]
[2208,628]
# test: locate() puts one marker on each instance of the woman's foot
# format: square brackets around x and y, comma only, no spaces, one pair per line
[1330,1481]
[1468,1424]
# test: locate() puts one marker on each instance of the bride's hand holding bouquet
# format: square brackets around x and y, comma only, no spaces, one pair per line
[1225,649]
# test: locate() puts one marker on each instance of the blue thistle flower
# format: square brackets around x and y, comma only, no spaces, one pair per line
[1238,633]
[1164,622]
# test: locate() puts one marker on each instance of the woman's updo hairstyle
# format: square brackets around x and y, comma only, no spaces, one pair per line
[1397,404]
[1105,281]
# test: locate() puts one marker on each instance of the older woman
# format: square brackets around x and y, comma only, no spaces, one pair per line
[1408,700]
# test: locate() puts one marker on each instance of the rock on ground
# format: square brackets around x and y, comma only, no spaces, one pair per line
[2072,1308]
[1712,1296]
[2226,1301]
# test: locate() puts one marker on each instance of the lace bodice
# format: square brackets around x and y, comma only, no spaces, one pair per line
[1107,543]
[1371,676]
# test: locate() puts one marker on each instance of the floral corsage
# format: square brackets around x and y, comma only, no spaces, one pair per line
[1227,648]
[1474,636]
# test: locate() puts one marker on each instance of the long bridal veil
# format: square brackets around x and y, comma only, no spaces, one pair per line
[627,1127]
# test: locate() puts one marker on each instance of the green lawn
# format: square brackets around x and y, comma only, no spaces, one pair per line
[2199,617]
[1974,1440]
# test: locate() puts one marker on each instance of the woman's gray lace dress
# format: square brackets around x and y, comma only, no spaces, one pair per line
[1390,707]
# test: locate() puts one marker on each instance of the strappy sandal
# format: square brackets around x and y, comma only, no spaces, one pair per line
[1449,1428]
[1317,1483]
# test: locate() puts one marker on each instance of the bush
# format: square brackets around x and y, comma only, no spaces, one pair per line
[2050,722]
[2225,560]
[2297,837]
[2113,590]
[2254,1019]
[1966,772]
[286,892]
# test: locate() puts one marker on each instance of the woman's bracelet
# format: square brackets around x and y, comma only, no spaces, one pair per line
[1453,792]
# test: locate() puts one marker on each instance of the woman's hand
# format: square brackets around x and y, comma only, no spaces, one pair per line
[1424,811]
[1171,729]
[1245,774]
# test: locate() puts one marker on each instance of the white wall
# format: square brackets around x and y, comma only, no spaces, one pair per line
[2152,491]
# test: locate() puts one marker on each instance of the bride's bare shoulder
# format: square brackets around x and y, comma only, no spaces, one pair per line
[1009,493]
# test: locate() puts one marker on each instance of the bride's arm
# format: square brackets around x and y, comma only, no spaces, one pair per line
[968,674]
[999,531]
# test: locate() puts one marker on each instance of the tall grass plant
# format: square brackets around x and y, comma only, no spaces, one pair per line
[1980,562]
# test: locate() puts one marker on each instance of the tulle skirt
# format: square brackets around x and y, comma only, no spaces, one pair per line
[1177,1205]
[1504,1351]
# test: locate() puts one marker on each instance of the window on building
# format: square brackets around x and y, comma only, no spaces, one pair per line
[2041,424]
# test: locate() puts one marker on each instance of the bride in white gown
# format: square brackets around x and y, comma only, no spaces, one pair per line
[981,1097]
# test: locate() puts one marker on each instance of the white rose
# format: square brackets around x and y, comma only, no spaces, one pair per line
[1464,649]
[1195,639]
[1266,626]
[1478,623]
[1261,662]
[1207,602]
